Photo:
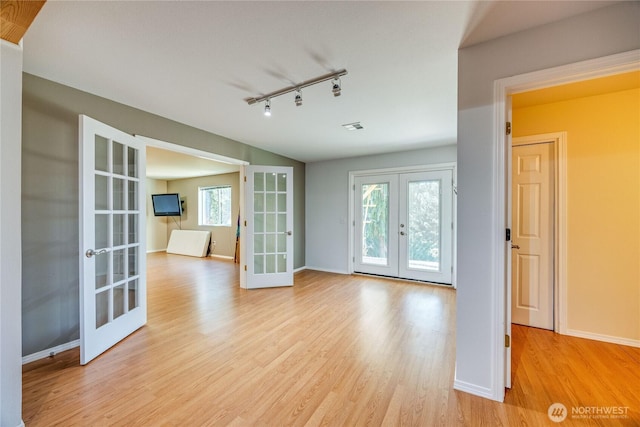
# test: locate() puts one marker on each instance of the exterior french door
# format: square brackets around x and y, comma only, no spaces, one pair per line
[404,225]
[112,237]
[269,226]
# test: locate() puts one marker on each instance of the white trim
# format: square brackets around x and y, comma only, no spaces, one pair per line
[327,270]
[50,352]
[152,142]
[151,251]
[594,68]
[298,270]
[473,389]
[405,169]
[602,337]
[559,141]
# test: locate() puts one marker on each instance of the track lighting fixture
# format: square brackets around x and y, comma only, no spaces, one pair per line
[336,89]
[267,108]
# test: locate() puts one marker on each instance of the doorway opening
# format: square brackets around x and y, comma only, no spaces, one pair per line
[504,88]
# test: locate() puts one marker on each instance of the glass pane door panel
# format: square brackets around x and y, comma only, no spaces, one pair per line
[118,158]
[133,196]
[424,224]
[118,194]
[132,295]
[101,231]
[258,264]
[102,308]
[133,229]
[375,225]
[133,262]
[102,270]
[101,193]
[118,266]
[132,161]
[101,155]
[118,229]
[118,301]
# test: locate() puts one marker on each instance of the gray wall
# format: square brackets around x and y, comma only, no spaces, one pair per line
[10,253]
[327,197]
[603,32]
[50,197]
[156,225]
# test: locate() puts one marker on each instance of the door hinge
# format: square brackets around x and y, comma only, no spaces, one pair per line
[245,178]
[245,267]
[507,341]
[508,128]
[508,235]
[245,222]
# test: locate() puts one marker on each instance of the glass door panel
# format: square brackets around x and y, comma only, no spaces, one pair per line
[424,224]
[270,226]
[376,225]
[426,221]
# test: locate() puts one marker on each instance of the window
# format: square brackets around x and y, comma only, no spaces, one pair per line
[214,205]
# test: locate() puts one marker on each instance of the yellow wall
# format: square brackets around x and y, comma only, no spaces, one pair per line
[603,195]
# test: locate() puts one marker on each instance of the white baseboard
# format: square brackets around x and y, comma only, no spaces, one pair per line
[327,270]
[474,389]
[220,256]
[48,352]
[299,269]
[603,338]
[155,250]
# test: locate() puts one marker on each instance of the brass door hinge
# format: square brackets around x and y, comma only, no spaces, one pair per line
[508,129]
[507,341]
[245,267]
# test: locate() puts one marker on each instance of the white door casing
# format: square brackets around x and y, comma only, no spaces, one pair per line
[112,237]
[269,226]
[532,274]
[415,227]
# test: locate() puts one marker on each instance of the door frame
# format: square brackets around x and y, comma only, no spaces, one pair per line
[452,166]
[170,146]
[503,89]
[558,141]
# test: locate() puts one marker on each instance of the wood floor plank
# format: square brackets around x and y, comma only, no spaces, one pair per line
[334,350]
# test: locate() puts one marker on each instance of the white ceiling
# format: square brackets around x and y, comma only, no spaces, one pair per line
[196,62]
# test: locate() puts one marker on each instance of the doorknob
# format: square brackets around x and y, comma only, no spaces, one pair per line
[91,252]
[514,246]
[402,233]
[289,233]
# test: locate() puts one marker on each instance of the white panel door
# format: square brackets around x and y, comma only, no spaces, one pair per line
[112,237]
[269,226]
[376,218]
[532,237]
[426,225]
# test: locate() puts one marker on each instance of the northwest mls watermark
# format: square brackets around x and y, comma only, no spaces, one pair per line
[557,412]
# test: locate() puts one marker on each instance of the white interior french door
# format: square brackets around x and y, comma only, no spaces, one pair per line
[112,237]
[404,225]
[269,226]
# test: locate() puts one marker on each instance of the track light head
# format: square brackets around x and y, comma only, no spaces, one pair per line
[267,108]
[298,98]
[336,89]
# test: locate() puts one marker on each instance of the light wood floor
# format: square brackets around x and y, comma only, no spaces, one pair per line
[333,350]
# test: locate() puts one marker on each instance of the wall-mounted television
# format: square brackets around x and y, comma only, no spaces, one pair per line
[166,204]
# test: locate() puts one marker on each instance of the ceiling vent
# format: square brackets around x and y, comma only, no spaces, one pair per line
[353,126]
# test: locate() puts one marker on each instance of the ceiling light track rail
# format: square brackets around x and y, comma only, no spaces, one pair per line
[331,76]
